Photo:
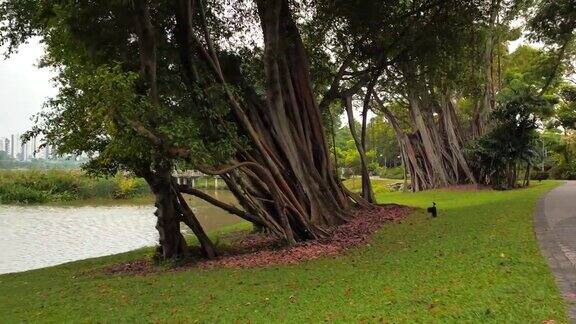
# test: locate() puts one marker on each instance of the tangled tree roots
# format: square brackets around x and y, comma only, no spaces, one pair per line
[255,250]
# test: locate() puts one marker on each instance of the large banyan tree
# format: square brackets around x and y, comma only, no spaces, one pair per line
[432,69]
[409,56]
[145,84]
[228,88]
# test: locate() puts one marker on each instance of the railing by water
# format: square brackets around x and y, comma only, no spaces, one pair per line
[196,179]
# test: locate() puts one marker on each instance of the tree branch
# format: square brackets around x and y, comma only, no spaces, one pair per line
[227,207]
[559,58]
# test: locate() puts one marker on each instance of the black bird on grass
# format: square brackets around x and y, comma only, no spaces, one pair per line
[432,210]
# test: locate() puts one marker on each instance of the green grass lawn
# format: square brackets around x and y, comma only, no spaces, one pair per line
[477,262]
[379,186]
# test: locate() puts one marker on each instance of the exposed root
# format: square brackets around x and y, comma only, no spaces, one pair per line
[256,250]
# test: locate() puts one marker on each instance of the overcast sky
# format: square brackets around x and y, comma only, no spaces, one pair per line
[23,88]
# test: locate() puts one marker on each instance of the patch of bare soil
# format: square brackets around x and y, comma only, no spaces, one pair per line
[247,250]
[140,267]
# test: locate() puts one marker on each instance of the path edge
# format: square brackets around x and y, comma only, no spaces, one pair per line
[562,269]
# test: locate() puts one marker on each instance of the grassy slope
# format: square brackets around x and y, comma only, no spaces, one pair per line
[379,186]
[478,261]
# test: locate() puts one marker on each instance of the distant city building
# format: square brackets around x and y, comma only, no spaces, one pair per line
[26,151]
[23,152]
[13,146]
[47,152]
[33,147]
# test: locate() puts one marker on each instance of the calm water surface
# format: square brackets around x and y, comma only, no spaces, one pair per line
[34,237]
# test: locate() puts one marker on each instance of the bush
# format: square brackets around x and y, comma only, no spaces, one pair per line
[127,187]
[540,175]
[98,188]
[392,173]
[141,187]
[28,187]
[19,194]
[563,172]
[512,139]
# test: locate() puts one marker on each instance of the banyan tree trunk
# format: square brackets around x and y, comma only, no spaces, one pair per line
[367,192]
[432,154]
[284,178]
[171,210]
[289,138]
[171,206]
[486,104]
[172,242]
[454,141]
[187,216]
[412,164]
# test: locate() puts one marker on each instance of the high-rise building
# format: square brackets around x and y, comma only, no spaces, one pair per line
[32,147]
[12,146]
[23,152]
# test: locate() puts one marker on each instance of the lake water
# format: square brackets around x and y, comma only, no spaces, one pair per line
[34,237]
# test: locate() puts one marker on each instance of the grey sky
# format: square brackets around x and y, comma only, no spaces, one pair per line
[23,88]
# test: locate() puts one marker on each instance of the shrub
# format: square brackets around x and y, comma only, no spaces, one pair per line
[28,187]
[392,173]
[34,186]
[98,188]
[15,193]
[563,172]
[50,181]
[540,175]
[141,188]
[127,187]
[512,140]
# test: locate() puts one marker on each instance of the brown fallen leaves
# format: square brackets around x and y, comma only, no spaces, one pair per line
[255,250]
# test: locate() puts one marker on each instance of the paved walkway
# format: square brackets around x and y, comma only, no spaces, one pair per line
[555,227]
